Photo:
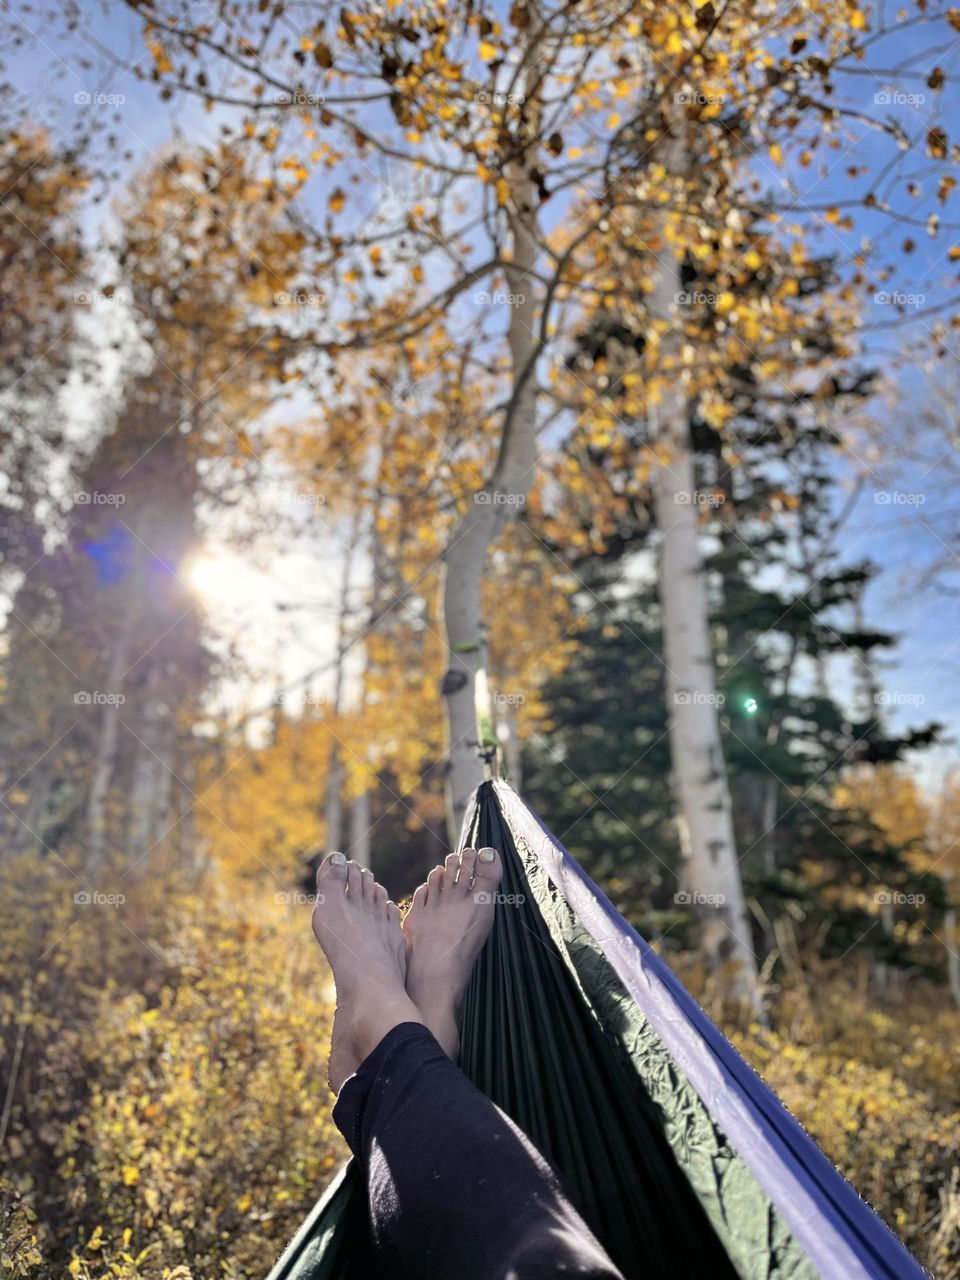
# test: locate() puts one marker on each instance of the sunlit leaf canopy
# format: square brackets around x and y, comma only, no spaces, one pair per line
[406,128]
[392,142]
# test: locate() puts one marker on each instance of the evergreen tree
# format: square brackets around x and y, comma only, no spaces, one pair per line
[784,611]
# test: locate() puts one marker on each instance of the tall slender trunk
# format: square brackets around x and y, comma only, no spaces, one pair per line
[951,946]
[512,753]
[28,832]
[106,750]
[360,850]
[151,785]
[705,818]
[333,808]
[482,522]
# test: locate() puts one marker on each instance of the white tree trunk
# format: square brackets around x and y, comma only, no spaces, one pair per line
[710,870]
[333,810]
[29,831]
[480,525]
[512,751]
[151,788]
[106,752]
[953,954]
[360,850]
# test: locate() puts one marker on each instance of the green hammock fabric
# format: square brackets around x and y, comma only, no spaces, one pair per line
[550,1034]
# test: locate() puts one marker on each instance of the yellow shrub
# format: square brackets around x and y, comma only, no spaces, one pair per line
[171,1081]
[872,1076]
[170,1118]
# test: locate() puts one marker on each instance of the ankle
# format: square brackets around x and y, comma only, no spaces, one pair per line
[371,1026]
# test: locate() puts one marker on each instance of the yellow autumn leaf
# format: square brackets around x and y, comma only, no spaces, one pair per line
[130,1175]
[776,154]
[488,51]
[161,62]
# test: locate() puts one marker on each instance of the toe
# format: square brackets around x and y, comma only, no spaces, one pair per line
[368,884]
[451,869]
[419,900]
[434,885]
[468,866]
[354,880]
[332,870]
[489,869]
[393,913]
[379,896]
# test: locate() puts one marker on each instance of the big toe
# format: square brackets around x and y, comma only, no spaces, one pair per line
[332,873]
[489,870]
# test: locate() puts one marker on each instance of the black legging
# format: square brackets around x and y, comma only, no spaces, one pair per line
[455,1190]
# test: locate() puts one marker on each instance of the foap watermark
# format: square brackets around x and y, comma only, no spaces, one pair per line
[692,98]
[299,98]
[290,699]
[97,698]
[94,498]
[898,298]
[94,898]
[894,98]
[499,299]
[299,498]
[693,898]
[296,898]
[508,699]
[483,898]
[893,898]
[493,98]
[91,297]
[695,298]
[898,498]
[899,699]
[695,499]
[95,98]
[696,698]
[497,498]
[299,298]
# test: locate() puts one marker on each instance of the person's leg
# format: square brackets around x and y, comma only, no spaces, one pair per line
[455,1189]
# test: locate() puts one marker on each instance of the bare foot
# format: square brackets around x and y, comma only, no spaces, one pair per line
[359,930]
[447,924]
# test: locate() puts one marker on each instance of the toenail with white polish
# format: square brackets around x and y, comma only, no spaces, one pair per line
[487,855]
[338,859]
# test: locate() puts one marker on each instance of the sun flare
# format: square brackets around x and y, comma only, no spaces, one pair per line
[219,577]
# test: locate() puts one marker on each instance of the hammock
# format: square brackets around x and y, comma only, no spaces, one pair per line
[673,1149]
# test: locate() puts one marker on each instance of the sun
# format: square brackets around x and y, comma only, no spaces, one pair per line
[219,577]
